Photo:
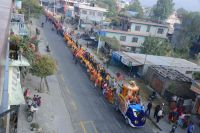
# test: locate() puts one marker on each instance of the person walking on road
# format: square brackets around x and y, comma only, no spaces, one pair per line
[157,108]
[174,126]
[159,115]
[149,106]
[190,128]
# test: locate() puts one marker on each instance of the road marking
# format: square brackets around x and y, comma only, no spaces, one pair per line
[93,125]
[74,105]
[62,77]
[68,91]
[83,127]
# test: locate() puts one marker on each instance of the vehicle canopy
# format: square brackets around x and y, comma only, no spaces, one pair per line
[136,115]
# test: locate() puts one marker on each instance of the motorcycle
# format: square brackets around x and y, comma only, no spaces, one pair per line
[153,96]
[31,109]
[48,49]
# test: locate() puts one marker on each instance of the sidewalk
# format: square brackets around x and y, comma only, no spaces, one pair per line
[52,116]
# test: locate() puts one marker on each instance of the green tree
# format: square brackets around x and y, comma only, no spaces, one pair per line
[163,9]
[42,67]
[136,7]
[110,5]
[31,8]
[156,46]
[181,12]
[189,31]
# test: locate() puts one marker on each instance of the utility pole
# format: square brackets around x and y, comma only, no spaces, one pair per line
[98,47]
[54,9]
[29,12]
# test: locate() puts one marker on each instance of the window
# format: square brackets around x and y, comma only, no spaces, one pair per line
[148,28]
[84,12]
[134,39]
[100,14]
[160,31]
[122,38]
[137,28]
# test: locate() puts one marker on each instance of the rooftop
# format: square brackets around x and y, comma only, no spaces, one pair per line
[171,73]
[133,33]
[148,22]
[145,21]
[142,59]
[95,8]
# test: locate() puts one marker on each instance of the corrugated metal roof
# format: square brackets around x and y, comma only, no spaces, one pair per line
[141,59]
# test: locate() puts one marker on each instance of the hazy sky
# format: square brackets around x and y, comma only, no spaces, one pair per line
[190,5]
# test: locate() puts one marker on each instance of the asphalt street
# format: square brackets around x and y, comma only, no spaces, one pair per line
[89,110]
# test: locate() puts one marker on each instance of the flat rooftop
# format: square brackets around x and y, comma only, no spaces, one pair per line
[95,8]
[133,33]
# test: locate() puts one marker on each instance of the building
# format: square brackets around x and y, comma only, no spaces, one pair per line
[141,62]
[5,11]
[133,32]
[18,25]
[172,20]
[89,13]
[195,87]
[169,82]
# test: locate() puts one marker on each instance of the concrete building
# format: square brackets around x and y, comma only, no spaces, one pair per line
[133,32]
[18,25]
[172,20]
[89,13]
[169,82]
[5,11]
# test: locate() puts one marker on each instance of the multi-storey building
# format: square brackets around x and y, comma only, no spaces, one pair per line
[89,13]
[134,31]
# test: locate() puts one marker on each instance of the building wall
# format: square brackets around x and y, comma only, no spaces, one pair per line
[5,10]
[153,30]
[91,15]
[162,84]
[128,40]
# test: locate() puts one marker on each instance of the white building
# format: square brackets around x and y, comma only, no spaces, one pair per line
[89,13]
[134,32]
[173,19]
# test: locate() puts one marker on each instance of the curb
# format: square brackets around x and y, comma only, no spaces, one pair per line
[155,124]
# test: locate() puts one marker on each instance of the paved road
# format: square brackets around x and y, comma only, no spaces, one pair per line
[89,111]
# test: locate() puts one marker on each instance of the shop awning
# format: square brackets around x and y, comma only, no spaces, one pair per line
[14,87]
[22,62]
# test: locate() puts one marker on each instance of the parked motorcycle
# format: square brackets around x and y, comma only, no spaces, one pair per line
[48,49]
[31,109]
[153,96]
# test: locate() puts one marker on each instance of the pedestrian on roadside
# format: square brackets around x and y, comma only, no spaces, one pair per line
[76,60]
[149,106]
[157,108]
[174,126]
[190,128]
[159,115]
[34,98]
[39,102]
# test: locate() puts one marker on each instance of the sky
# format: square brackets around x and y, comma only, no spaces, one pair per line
[190,5]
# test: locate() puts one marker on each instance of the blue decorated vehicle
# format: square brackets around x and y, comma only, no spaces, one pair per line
[128,102]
